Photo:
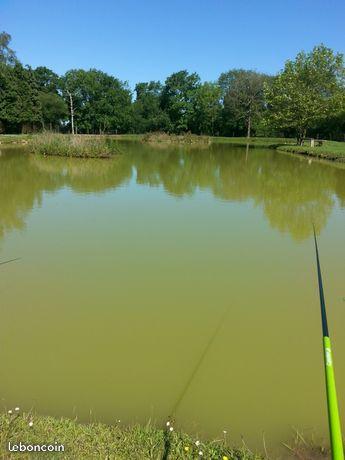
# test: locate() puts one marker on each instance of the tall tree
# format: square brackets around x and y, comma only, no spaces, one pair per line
[98,102]
[243,98]
[178,98]
[207,109]
[7,55]
[147,113]
[54,110]
[309,90]
[47,80]
[54,107]
[20,108]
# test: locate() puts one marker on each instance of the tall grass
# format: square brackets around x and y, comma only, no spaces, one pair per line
[66,145]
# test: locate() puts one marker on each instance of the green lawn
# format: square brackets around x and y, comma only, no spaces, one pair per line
[329,150]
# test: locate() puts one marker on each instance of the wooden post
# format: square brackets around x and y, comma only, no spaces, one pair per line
[312,142]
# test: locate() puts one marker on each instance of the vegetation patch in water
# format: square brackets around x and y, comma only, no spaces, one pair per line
[80,146]
[187,138]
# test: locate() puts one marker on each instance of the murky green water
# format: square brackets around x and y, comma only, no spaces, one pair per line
[128,266]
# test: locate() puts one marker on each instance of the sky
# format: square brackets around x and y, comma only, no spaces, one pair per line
[143,40]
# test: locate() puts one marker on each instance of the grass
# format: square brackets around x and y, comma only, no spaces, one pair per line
[138,442]
[14,138]
[96,440]
[66,145]
[329,150]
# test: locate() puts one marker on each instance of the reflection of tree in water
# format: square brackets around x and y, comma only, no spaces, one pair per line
[290,191]
[24,178]
[86,175]
[340,186]
[21,188]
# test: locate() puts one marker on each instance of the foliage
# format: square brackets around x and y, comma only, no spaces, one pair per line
[19,98]
[207,109]
[101,102]
[243,98]
[72,146]
[54,109]
[7,55]
[309,90]
[307,96]
[47,80]
[147,114]
[178,99]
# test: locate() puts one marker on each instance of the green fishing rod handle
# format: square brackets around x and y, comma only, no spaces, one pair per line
[332,404]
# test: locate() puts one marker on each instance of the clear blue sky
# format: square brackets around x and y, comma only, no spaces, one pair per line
[141,40]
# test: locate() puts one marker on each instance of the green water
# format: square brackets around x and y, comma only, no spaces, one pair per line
[127,267]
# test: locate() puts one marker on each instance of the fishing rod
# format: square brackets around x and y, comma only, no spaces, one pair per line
[8,261]
[332,402]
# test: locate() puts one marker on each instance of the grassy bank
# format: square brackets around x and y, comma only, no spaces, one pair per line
[96,440]
[65,145]
[329,150]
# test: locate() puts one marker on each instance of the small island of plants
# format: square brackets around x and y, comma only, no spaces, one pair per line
[80,146]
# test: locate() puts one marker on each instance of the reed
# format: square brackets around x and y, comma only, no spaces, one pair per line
[79,146]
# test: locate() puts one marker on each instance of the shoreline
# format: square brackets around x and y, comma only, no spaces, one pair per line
[74,440]
[330,151]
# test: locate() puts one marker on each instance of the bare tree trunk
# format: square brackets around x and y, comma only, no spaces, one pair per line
[72,111]
[249,126]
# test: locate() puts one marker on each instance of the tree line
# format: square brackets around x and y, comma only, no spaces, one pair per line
[306,98]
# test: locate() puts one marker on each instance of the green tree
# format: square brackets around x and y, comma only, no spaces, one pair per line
[47,80]
[7,55]
[207,108]
[243,99]
[54,109]
[101,103]
[178,99]
[147,113]
[20,108]
[309,90]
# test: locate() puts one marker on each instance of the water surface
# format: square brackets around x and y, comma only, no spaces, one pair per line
[129,265]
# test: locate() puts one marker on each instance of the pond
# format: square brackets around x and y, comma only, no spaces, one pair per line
[172,279]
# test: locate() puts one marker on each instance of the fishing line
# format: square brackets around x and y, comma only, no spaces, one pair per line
[8,261]
[198,364]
